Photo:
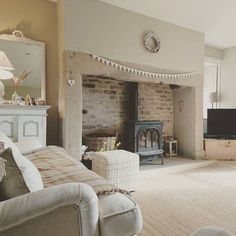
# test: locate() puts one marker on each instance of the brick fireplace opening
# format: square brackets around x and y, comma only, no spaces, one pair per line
[140,121]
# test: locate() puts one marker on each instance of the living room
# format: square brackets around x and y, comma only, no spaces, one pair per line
[141,94]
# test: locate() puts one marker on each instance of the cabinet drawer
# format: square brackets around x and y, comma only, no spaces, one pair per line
[228,143]
[30,127]
[23,123]
[220,149]
[8,125]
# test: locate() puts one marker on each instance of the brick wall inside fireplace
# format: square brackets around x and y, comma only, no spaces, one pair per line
[105,104]
[156,103]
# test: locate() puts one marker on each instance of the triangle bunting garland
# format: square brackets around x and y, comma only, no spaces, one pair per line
[187,75]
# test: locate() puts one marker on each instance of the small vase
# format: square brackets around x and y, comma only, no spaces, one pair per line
[14,98]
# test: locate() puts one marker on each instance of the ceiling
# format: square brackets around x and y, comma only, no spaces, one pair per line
[215,18]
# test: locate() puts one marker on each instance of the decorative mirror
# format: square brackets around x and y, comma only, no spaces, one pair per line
[28,59]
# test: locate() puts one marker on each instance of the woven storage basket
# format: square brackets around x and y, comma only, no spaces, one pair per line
[120,167]
[99,142]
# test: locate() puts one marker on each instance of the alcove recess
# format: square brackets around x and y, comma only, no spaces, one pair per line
[186,95]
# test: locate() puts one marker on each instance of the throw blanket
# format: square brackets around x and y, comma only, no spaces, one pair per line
[56,166]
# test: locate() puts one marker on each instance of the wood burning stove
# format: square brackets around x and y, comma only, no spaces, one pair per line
[142,137]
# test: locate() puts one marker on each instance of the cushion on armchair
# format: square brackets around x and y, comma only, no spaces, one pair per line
[13,184]
[28,146]
[29,172]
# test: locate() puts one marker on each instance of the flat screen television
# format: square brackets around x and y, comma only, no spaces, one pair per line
[221,122]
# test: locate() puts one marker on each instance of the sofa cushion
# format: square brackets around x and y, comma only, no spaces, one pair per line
[119,214]
[27,146]
[13,184]
[8,143]
[30,173]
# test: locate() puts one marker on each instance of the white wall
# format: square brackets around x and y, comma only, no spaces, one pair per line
[228,79]
[188,127]
[116,33]
[214,52]
[210,85]
[183,120]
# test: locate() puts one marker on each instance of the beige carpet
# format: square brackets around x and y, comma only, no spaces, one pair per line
[178,204]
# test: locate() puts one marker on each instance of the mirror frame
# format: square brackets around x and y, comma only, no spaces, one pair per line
[18,36]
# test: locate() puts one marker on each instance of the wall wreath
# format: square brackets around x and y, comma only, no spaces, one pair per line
[151,42]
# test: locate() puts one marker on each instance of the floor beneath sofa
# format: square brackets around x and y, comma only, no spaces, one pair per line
[179,203]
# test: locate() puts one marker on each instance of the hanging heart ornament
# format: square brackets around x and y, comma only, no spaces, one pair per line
[70,82]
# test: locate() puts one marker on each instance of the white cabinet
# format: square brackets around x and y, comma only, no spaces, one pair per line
[20,123]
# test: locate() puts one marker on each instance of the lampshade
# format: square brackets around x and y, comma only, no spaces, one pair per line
[213,97]
[4,74]
[5,64]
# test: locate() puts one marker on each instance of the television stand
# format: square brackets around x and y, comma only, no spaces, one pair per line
[225,137]
[220,149]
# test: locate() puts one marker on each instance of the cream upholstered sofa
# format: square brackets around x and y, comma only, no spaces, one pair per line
[74,202]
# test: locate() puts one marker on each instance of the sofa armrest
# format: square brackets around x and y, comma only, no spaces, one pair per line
[23,215]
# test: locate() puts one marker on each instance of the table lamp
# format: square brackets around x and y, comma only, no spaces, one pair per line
[5,68]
